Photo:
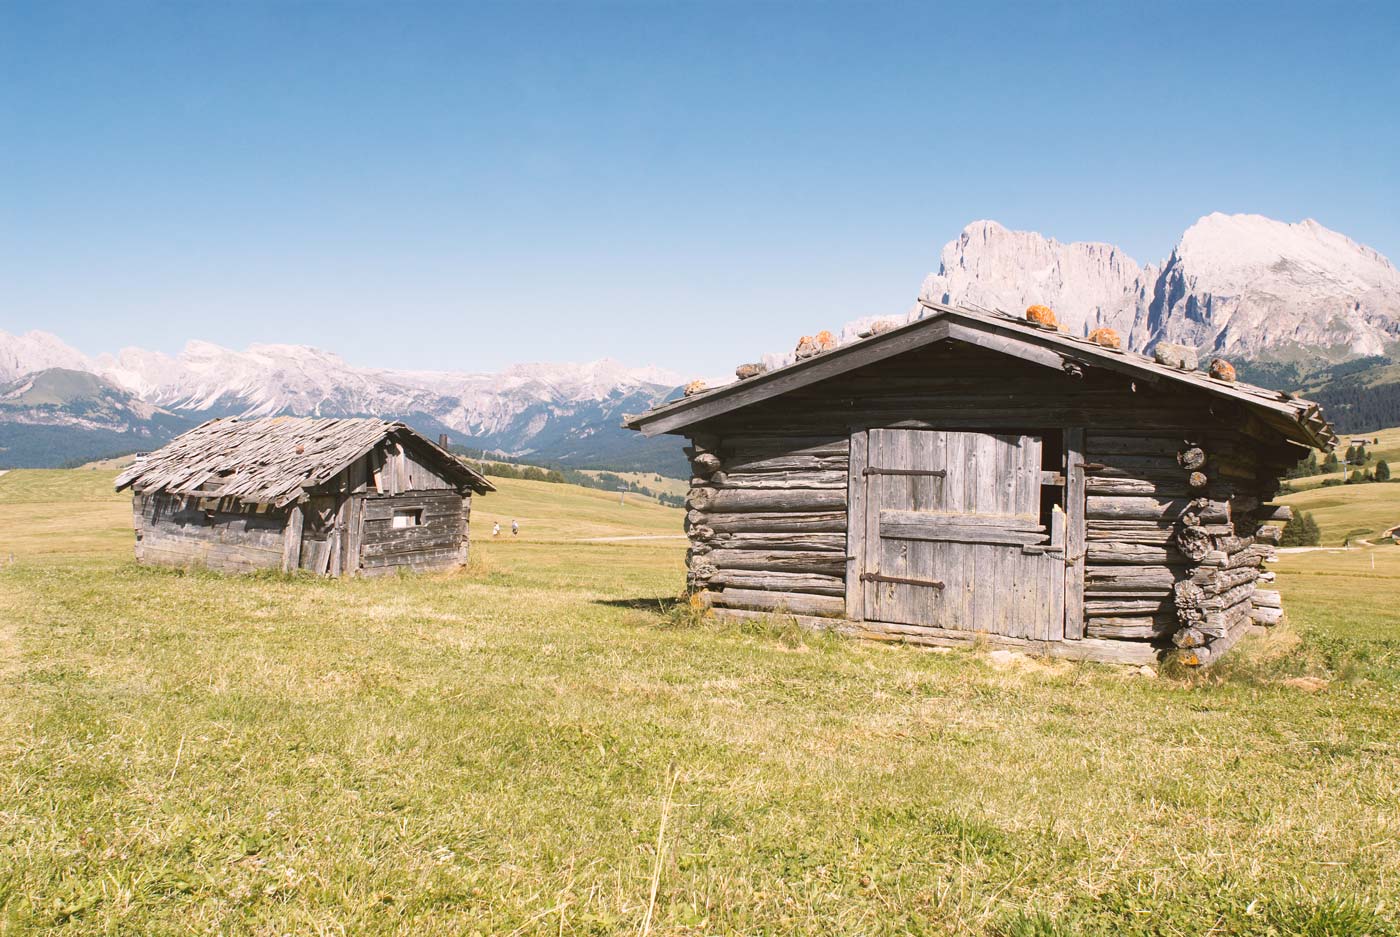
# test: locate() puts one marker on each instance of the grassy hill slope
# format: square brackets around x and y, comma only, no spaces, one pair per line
[1350,511]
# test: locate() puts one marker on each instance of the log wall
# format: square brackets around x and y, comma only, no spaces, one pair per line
[1175,485]
[179,531]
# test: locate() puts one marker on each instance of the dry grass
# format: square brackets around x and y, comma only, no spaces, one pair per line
[542,744]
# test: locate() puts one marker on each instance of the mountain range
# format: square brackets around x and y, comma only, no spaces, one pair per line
[1296,305]
[564,413]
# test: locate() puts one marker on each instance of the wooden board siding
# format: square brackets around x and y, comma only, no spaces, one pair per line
[965,550]
[175,531]
[400,468]
[435,544]
[344,526]
[780,468]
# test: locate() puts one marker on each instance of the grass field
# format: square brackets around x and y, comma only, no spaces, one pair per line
[1350,511]
[542,744]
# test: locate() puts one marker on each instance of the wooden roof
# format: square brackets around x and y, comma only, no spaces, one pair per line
[277,459]
[1294,419]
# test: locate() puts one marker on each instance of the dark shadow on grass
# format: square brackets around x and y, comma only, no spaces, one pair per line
[661,604]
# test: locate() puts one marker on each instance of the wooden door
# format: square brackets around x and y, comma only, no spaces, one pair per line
[952,536]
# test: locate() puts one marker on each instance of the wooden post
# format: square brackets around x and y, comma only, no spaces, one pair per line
[291,539]
[464,554]
[1075,502]
[855,525]
[353,530]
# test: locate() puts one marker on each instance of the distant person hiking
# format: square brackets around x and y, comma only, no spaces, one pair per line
[514,528]
[496,529]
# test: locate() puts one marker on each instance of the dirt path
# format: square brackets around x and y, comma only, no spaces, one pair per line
[630,537]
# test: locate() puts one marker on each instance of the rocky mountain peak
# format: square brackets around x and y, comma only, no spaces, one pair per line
[1090,284]
[1241,285]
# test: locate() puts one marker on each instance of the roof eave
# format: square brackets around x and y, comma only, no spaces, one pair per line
[1301,420]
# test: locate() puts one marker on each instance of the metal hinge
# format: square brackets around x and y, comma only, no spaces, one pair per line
[875,470]
[879,577]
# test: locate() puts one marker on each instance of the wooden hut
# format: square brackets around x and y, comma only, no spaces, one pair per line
[971,476]
[350,496]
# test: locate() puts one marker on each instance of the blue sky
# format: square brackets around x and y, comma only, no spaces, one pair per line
[464,186]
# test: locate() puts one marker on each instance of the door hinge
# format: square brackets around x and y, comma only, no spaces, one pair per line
[876,470]
[902,580]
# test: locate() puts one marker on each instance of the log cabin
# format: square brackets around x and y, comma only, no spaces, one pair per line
[973,477]
[331,496]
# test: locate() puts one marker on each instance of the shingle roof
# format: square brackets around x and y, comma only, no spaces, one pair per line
[1294,418]
[276,459]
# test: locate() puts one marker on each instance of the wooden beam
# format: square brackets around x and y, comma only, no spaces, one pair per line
[291,539]
[1076,502]
[1086,649]
[855,524]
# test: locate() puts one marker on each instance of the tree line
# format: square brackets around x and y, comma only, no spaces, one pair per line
[1354,467]
[498,466]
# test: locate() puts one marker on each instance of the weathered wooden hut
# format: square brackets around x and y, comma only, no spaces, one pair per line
[971,476]
[347,496]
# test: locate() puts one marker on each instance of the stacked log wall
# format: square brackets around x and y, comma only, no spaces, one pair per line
[766,518]
[1174,489]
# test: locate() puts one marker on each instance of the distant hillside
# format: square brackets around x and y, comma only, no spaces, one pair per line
[60,416]
[1358,396]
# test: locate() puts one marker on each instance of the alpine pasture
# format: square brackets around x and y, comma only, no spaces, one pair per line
[547,743]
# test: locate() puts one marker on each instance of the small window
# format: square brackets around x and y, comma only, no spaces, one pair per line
[408,518]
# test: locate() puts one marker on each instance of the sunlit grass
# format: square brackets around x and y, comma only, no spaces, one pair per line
[490,752]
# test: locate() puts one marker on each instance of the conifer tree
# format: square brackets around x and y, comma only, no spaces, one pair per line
[1312,534]
[1293,531]
[1382,471]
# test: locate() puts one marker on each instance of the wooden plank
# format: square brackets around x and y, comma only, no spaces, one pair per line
[1111,507]
[354,531]
[291,539]
[797,603]
[762,465]
[1076,525]
[779,581]
[796,561]
[829,478]
[835,543]
[958,533]
[856,545]
[1140,554]
[965,528]
[1089,649]
[739,500]
[381,507]
[759,522]
[1123,606]
[1133,628]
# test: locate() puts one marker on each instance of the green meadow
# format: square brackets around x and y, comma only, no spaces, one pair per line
[547,743]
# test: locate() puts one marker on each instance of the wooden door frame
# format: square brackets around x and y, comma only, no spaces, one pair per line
[1076,539]
[856,489]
